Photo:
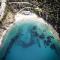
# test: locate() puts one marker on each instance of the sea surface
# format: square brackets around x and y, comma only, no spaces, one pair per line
[30,41]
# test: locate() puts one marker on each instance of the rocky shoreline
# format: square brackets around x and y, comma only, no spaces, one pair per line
[7,22]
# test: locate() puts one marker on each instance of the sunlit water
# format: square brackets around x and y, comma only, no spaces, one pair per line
[30,39]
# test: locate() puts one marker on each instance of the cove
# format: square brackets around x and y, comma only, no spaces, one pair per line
[30,40]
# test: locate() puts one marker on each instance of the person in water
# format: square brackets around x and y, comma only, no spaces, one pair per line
[30,38]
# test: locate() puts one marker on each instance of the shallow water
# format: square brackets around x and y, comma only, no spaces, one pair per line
[30,41]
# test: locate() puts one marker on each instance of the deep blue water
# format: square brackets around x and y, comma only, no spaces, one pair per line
[28,41]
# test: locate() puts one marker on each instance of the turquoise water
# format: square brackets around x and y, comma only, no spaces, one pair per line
[30,41]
